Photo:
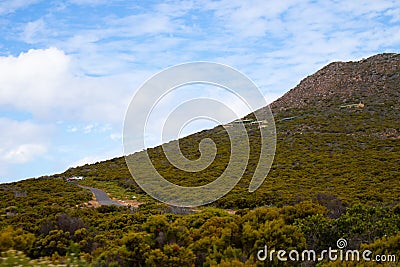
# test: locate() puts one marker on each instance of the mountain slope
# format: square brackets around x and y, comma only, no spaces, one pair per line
[338,145]
[338,135]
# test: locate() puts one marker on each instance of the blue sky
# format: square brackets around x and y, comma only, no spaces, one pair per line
[69,68]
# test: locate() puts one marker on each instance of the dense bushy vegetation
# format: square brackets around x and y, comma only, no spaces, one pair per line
[158,235]
[352,154]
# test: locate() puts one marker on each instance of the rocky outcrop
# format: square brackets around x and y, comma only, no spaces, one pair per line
[347,83]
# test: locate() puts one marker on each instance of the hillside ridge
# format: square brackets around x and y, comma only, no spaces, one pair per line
[315,135]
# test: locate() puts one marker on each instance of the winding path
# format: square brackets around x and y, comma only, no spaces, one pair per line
[101,196]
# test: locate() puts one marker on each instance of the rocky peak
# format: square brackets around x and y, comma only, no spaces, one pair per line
[376,78]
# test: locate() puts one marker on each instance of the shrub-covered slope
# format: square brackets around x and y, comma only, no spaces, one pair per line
[342,139]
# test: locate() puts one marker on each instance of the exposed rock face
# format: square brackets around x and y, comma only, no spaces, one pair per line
[347,83]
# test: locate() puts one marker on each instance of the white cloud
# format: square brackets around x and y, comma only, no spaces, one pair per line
[88,2]
[88,128]
[245,19]
[9,6]
[72,129]
[46,84]
[24,153]
[34,80]
[23,141]
[140,24]
[33,31]
[116,136]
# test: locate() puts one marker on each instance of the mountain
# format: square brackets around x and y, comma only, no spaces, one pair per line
[338,135]
[335,177]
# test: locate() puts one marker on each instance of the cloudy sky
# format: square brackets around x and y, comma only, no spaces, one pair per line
[68,69]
